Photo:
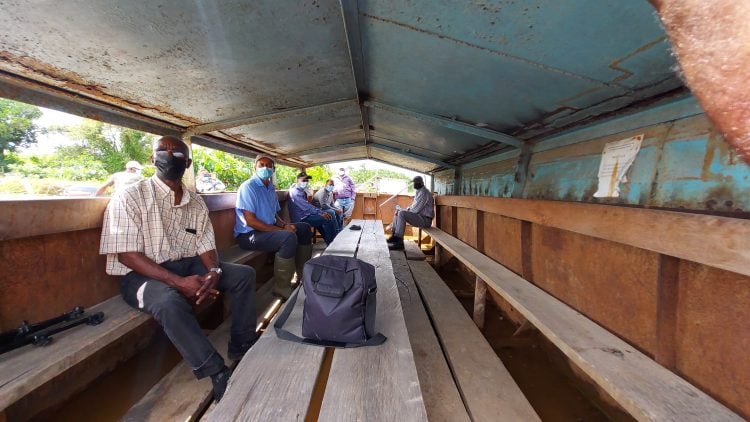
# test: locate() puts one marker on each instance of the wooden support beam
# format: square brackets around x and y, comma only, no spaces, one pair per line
[480,300]
[706,239]
[666,311]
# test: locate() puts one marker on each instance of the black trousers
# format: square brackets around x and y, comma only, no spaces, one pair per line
[175,314]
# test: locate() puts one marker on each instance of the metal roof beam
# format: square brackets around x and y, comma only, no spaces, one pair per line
[267,117]
[448,123]
[328,148]
[411,155]
[350,15]
[322,163]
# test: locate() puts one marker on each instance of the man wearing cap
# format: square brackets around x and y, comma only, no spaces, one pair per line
[121,180]
[419,214]
[345,193]
[300,210]
[258,227]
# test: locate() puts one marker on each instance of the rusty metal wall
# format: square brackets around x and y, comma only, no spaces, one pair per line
[683,164]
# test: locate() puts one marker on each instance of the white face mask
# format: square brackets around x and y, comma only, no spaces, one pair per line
[342,172]
[303,185]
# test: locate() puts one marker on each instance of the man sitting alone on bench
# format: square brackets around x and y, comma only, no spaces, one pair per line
[158,237]
[419,214]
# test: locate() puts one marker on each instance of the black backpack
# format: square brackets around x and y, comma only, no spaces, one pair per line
[339,305]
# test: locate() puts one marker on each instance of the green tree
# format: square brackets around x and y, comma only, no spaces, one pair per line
[17,128]
[231,169]
[111,146]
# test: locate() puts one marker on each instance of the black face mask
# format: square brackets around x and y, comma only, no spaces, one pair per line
[170,167]
[418,185]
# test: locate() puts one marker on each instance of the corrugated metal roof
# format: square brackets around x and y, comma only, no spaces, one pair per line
[421,84]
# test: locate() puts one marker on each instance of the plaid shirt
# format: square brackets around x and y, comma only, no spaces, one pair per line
[143,218]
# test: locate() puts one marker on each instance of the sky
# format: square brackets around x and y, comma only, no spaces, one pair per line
[47,142]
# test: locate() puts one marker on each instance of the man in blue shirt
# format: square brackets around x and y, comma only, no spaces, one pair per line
[300,210]
[258,227]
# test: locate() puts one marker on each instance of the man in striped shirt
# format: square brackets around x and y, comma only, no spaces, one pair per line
[157,236]
[419,214]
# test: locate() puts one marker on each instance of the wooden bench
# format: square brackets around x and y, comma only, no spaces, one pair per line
[281,380]
[642,387]
[461,376]
[27,371]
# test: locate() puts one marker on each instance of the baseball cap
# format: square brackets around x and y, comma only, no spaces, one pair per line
[259,156]
[133,164]
[303,176]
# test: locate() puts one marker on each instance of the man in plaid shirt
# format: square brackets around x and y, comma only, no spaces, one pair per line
[158,237]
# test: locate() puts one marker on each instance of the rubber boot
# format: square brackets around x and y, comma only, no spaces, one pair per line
[283,271]
[304,252]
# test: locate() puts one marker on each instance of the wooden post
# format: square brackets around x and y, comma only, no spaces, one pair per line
[666,311]
[480,299]
[436,261]
[188,179]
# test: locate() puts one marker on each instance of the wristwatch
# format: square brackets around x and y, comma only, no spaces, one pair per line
[217,270]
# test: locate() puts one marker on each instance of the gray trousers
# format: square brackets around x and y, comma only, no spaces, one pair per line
[402,217]
[175,314]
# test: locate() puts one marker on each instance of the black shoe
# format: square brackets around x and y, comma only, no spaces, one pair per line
[237,352]
[396,243]
[220,381]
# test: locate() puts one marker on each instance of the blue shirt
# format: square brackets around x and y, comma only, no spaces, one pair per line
[257,198]
[299,208]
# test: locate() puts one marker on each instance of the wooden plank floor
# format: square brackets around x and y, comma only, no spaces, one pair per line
[356,389]
[645,389]
[488,390]
[276,378]
[442,399]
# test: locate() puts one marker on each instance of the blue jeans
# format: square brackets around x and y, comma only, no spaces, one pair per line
[346,205]
[329,227]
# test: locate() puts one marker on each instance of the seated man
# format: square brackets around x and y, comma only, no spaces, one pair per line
[123,179]
[258,227]
[346,193]
[419,214]
[323,199]
[158,237]
[302,211]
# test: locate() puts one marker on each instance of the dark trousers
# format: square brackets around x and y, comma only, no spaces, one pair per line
[175,314]
[281,241]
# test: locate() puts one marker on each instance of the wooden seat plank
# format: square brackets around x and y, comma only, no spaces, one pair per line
[26,369]
[276,378]
[441,397]
[179,396]
[645,389]
[489,391]
[413,251]
[237,255]
[381,382]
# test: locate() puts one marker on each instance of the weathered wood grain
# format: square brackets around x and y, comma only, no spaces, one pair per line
[645,389]
[276,378]
[413,251]
[719,242]
[376,383]
[489,391]
[441,397]
[27,368]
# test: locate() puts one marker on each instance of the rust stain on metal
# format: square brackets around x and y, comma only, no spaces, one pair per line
[615,65]
[77,84]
